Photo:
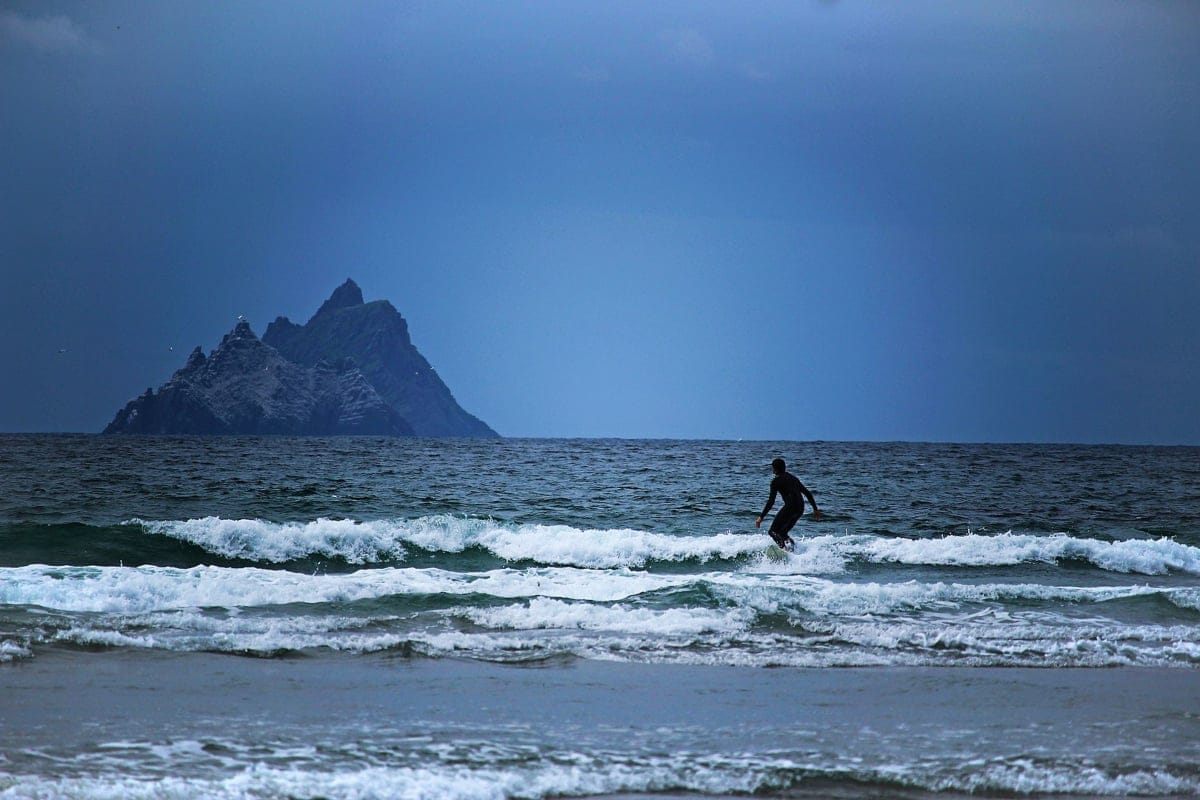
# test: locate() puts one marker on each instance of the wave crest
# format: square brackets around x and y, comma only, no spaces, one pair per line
[389,541]
[394,541]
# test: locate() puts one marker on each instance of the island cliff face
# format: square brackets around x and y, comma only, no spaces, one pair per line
[351,370]
[375,337]
[246,387]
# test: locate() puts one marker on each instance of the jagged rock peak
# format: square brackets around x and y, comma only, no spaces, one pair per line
[240,331]
[246,387]
[347,295]
[196,359]
[376,337]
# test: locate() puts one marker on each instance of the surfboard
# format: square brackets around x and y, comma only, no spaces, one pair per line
[776,553]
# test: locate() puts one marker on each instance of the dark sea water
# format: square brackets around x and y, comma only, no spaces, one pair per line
[362,618]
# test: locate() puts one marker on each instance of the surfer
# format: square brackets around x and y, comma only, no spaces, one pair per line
[793,491]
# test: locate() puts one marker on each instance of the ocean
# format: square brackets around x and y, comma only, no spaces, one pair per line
[257,617]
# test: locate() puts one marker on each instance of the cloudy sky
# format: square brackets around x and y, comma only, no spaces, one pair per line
[779,220]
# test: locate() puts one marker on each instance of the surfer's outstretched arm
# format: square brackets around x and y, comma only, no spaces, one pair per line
[812,501]
[767,508]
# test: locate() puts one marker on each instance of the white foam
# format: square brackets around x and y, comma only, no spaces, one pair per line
[1008,639]
[578,776]
[773,593]
[277,542]
[1147,557]
[1186,598]
[370,542]
[544,613]
[989,638]
[557,544]
[191,633]
[749,617]
[11,650]
[386,540]
[1027,776]
[150,588]
[583,775]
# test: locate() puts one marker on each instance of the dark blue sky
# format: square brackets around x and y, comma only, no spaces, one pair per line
[804,220]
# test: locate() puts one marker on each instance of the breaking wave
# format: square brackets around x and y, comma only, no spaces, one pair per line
[398,541]
[729,617]
[514,772]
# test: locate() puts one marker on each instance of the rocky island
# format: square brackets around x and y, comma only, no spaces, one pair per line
[375,337]
[352,369]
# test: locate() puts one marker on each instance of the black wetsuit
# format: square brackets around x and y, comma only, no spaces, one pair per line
[793,491]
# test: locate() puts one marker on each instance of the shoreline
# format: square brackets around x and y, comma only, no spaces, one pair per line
[65,701]
[112,677]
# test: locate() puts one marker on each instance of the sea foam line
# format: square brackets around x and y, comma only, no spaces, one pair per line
[153,588]
[381,541]
[388,540]
[584,775]
[632,635]
[126,590]
[618,615]
[1142,556]
[279,542]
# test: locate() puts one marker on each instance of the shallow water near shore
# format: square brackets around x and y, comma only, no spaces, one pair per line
[171,725]
[258,617]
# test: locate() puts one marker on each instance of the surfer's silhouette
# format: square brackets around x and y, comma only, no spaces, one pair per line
[793,491]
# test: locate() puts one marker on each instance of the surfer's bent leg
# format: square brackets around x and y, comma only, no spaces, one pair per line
[784,521]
